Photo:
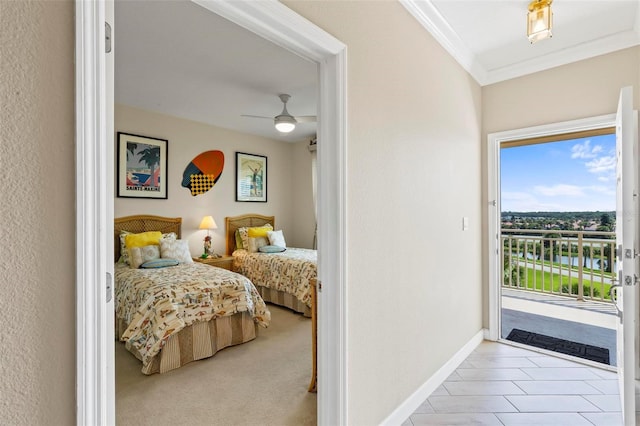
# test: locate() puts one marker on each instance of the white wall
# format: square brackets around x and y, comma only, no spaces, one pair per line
[583,89]
[285,200]
[413,171]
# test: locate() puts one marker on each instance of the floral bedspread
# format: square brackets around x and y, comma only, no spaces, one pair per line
[157,303]
[289,271]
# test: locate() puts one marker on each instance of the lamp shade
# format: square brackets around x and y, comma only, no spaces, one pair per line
[208,223]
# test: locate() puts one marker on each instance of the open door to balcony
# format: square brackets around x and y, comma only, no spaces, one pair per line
[586,271]
[552,209]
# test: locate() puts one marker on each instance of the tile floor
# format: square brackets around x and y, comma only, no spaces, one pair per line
[504,385]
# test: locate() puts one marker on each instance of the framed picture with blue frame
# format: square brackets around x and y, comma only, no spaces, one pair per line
[251,177]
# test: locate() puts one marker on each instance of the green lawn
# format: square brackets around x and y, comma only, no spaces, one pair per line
[536,279]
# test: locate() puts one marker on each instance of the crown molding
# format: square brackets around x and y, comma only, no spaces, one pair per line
[430,18]
[577,53]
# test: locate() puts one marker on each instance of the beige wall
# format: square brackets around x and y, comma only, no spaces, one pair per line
[37,272]
[413,168]
[583,89]
[415,150]
[285,192]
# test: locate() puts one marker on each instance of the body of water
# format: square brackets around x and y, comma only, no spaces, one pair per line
[595,263]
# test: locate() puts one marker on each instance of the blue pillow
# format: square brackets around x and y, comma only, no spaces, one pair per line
[159,263]
[271,249]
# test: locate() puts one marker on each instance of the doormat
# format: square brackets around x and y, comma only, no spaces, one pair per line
[580,350]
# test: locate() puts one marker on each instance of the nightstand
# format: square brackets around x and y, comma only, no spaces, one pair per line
[225,262]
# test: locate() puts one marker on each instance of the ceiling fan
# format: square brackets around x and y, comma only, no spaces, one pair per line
[286,122]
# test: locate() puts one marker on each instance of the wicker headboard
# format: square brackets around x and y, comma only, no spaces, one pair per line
[144,223]
[233,223]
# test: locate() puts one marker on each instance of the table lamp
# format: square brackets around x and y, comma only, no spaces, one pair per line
[208,223]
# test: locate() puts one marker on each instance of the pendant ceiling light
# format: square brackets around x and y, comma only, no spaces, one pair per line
[539,20]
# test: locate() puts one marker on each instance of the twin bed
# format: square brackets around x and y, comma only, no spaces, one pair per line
[171,316]
[284,278]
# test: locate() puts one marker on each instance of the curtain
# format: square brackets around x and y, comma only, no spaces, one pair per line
[314,188]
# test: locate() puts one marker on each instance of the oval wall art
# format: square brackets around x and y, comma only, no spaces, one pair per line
[203,172]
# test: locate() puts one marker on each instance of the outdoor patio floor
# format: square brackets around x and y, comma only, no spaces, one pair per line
[587,322]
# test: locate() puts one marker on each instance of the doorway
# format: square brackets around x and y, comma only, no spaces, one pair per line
[557,242]
[275,22]
[496,141]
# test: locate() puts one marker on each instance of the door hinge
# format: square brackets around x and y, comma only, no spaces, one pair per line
[319,286]
[109,292]
[629,280]
[107,37]
[630,253]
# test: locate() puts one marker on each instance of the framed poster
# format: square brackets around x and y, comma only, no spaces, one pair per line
[251,177]
[142,166]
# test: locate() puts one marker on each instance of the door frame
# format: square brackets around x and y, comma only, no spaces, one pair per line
[275,22]
[494,141]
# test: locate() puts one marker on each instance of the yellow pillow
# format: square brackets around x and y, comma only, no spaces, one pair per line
[143,239]
[260,231]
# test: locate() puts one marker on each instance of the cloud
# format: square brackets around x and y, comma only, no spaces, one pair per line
[599,199]
[601,165]
[585,151]
[562,190]
[598,162]
[601,189]
[525,202]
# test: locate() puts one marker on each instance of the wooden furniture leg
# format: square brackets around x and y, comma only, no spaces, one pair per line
[314,334]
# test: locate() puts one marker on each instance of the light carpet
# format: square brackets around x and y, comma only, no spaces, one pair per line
[262,382]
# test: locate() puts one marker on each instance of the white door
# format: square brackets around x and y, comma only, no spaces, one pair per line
[108,153]
[624,293]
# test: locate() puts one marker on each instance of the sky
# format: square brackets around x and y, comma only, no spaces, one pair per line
[573,175]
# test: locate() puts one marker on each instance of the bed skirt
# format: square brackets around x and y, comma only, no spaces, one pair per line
[198,341]
[281,298]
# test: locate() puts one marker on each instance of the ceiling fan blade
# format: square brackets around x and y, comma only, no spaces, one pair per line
[256,116]
[306,119]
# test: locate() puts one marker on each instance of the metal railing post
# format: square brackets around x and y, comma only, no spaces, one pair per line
[516,264]
[580,267]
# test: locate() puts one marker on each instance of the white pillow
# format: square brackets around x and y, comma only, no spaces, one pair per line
[170,236]
[175,249]
[140,255]
[124,251]
[276,238]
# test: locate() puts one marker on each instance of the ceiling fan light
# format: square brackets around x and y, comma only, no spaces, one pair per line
[285,123]
[539,20]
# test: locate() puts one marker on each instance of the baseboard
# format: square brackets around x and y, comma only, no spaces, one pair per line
[404,410]
[487,334]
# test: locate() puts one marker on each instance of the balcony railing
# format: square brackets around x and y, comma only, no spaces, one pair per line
[578,264]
